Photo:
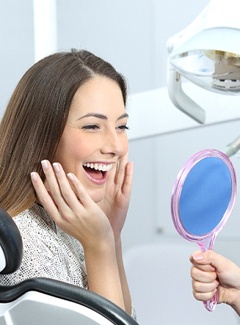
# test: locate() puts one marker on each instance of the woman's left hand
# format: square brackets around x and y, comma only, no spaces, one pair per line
[118,191]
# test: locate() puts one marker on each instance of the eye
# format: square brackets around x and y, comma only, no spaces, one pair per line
[123,127]
[90,127]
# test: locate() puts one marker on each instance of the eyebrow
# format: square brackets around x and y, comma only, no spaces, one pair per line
[103,117]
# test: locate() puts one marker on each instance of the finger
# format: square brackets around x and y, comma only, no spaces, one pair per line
[50,179]
[120,169]
[200,287]
[204,267]
[203,263]
[43,195]
[58,208]
[203,275]
[80,191]
[127,183]
[68,196]
[124,175]
[204,296]
[214,260]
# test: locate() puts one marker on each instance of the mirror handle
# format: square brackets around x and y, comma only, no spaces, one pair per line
[211,303]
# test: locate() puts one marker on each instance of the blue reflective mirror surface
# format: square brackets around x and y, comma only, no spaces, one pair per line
[205,196]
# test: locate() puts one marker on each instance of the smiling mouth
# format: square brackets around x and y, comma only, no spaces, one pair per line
[97,171]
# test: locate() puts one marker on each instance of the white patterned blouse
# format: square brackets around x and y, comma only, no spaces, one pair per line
[47,252]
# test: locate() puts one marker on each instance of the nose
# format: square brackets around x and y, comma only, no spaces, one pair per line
[114,143]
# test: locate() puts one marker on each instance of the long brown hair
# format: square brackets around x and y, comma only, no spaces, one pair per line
[35,118]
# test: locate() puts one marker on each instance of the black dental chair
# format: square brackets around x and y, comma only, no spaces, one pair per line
[42,301]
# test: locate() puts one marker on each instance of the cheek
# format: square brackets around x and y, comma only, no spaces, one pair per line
[72,146]
[78,151]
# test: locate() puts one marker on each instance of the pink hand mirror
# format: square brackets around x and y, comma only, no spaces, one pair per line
[202,199]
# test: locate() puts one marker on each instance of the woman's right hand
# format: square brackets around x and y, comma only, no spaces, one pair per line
[69,205]
[211,272]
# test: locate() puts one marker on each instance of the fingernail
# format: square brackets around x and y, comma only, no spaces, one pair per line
[44,164]
[33,176]
[198,257]
[56,167]
[70,176]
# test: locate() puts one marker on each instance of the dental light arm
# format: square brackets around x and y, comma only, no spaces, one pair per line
[181,100]
[233,147]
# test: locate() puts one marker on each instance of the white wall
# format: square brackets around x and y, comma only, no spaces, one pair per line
[17,44]
[131,34]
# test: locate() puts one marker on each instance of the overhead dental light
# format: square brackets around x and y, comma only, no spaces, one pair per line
[207,53]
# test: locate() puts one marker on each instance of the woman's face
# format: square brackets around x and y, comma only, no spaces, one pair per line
[94,138]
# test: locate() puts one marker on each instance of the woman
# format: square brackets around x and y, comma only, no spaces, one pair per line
[65,125]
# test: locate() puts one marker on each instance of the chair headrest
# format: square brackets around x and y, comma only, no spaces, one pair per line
[10,243]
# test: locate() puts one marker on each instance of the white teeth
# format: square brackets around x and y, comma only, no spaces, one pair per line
[101,167]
